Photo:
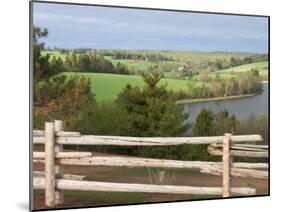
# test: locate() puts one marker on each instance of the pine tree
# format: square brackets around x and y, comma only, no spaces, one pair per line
[153,109]
[205,125]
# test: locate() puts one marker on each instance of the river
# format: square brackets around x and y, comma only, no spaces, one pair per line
[240,107]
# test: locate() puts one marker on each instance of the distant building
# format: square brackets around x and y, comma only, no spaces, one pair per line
[185,71]
[181,68]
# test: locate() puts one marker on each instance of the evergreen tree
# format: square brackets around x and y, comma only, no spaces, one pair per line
[153,110]
[205,125]
[59,97]
[225,123]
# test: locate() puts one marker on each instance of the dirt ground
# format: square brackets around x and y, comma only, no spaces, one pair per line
[190,177]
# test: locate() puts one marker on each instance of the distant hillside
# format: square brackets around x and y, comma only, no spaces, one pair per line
[108,86]
[172,64]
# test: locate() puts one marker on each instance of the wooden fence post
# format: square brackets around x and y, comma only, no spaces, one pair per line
[58,168]
[50,164]
[226,159]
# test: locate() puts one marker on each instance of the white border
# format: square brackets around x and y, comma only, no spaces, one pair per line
[14,103]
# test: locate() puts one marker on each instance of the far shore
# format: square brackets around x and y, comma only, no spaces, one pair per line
[189,101]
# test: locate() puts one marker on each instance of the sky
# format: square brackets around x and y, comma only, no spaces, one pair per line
[77,26]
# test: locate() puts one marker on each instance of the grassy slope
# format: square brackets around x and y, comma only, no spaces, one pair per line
[54,54]
[108,86]
[262,67]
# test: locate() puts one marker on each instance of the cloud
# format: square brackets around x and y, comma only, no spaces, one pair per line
[147,29]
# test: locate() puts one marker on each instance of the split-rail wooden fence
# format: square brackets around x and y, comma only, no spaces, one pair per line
[54,181]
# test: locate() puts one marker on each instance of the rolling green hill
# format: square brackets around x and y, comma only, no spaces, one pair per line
[108,86]
[195,61]
[56,54]
[260,66]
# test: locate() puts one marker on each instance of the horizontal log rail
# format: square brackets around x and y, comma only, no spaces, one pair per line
[41,155]
[64,176]
[149,162]
[258,146]
[237,172]
[41,133]
[248,147]
[68,139]
[39,183]
[207,167]
[240,151]
[249,154]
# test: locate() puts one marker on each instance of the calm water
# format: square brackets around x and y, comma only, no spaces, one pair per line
[239,107]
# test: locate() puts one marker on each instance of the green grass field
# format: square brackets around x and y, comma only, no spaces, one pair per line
[262,67]
[52,54]
[108,86]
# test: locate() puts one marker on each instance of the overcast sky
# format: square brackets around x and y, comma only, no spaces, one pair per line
[73,26]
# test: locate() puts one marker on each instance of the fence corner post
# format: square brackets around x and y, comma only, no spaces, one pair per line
[50,164]
[226,160]
[59,198]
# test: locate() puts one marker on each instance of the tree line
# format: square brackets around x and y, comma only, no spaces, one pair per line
[134,56]
[94,60]
[220,64]
[242,83]
[92,63]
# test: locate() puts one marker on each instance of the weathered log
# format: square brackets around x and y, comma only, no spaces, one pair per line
[59,197]
[38,160]
[239,147]
[136,162]
[41,133]
[253,146]
[250,165]
[41,155]
[145,141]
[226,166]
[249,154]
[38,183]
[63,176]
[248,149]
[217,172]
[215,149]
[148,162]
[50,164]
[237,172]
[38,140]
[251,173]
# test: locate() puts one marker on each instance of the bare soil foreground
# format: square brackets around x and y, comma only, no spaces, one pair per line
[191,177]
